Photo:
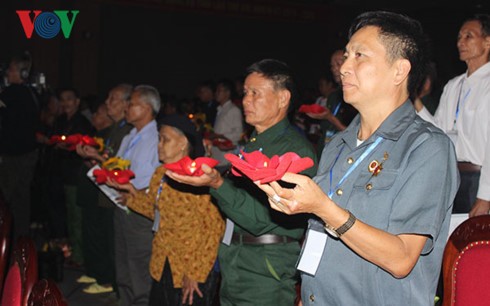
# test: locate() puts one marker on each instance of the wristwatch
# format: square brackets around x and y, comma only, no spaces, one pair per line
[337,232]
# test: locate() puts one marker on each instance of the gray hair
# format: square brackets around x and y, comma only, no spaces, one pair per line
[126,90]
[150,95]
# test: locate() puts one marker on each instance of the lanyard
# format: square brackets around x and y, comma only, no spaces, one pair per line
[156,220]
[131,145]
[462,101]
[336,110]
[353,167]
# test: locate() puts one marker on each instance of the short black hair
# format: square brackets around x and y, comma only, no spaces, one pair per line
[484,20]
[403,37]
[63,89]
[279,73]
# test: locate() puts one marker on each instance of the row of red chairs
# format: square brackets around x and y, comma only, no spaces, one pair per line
[22,287]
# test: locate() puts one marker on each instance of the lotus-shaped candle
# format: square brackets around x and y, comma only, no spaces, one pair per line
[312,108]
[115,168]
[190,167]
[73,140]
[259,167]
[120,176]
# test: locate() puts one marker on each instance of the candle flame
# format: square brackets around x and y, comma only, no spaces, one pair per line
[116,173]
[193,167]
[265,164]
[63,137]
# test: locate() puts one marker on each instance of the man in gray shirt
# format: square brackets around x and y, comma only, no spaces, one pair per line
[385,185]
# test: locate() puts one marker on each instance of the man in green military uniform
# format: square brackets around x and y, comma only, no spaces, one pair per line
[258,263]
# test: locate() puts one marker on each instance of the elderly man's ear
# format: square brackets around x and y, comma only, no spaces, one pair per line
[284,98]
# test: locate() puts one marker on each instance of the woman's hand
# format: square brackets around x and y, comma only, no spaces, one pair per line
[189,286]
[210,178]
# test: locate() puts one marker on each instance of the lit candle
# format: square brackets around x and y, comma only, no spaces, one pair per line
[63,137]
[193,167]
[265,164]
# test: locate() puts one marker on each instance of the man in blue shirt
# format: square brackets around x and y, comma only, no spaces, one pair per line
[133,234]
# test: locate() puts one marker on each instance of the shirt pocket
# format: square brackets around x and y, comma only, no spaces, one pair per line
[384,180]
[372,197]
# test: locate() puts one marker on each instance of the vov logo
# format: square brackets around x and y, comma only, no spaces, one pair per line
[47,24]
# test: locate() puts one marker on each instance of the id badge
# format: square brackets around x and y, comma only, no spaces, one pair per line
[228,232]
[312,251]
[156,221]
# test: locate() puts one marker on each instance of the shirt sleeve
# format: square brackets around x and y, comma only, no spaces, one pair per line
[484,185]
[144,200]
[421,204]
[252,210]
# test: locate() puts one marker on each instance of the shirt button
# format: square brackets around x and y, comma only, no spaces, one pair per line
[350,160]
[369,186]
[312,298]
[339,192]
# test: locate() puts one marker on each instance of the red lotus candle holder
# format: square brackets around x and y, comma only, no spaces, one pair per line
[120,176]
[258,167]
[190,167]
[311,108]
[73,140]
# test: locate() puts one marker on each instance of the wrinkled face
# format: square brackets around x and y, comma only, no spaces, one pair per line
[367,76]
[137,109]
[336,60]
[100,118]
[472,44]
[172,145]
[116,105]
[263,106]
[69,102]
[222,94]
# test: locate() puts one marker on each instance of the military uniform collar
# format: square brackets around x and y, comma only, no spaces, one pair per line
[271,133]
[392,128]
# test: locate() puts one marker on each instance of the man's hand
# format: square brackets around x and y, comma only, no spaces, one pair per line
[481,207]
[89,152]
[306,197]
[129,188]
[210,178]
[189,286]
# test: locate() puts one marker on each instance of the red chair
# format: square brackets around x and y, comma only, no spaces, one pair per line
[46,293]
[5,233]
[466,264]
[24,254]
[12,292]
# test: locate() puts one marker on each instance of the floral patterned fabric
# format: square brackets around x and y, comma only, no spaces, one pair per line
[189,233]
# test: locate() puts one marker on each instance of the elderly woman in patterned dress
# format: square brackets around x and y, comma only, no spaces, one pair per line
[188,227]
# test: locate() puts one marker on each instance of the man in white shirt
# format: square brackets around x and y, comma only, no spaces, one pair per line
[228,124]
[464,112]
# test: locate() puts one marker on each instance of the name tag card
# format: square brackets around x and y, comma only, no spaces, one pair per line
[228,232]
[312,252]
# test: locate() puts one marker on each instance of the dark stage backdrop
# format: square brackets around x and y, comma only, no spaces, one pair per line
[174,44]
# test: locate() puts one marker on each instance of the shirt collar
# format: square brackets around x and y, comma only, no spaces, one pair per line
[225,105]
[479,74]
[391,128]
[271,133]
[152,125]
